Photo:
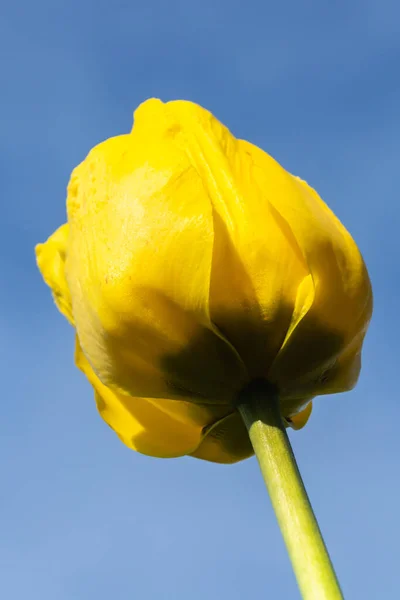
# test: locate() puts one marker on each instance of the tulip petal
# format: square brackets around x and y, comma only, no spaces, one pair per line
[336,300]
[251,301]
[50,258]
[161,428]
[139,264]
[225,442]
[298,420]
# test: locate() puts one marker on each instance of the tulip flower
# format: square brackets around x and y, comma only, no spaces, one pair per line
[206,285]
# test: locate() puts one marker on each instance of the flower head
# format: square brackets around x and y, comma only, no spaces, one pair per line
[191,264]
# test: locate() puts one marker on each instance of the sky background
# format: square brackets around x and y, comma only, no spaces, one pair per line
[317,85]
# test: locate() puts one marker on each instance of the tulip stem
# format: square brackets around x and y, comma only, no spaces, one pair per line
[258,405]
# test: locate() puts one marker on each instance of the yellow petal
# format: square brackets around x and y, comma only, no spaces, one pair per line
[298,420]
[50,258]
[161,428]
[256,265]
[138,266]
[334,302]
[226,441]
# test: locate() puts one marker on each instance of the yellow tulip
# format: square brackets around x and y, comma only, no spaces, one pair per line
[192,263]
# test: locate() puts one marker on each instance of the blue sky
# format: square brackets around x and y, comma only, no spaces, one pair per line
[317,86]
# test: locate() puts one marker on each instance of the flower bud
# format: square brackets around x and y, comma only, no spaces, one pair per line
[192,263]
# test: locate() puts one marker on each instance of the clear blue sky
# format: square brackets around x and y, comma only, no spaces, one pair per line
[317,85]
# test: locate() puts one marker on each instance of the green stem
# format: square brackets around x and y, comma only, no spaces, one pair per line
[258,405]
